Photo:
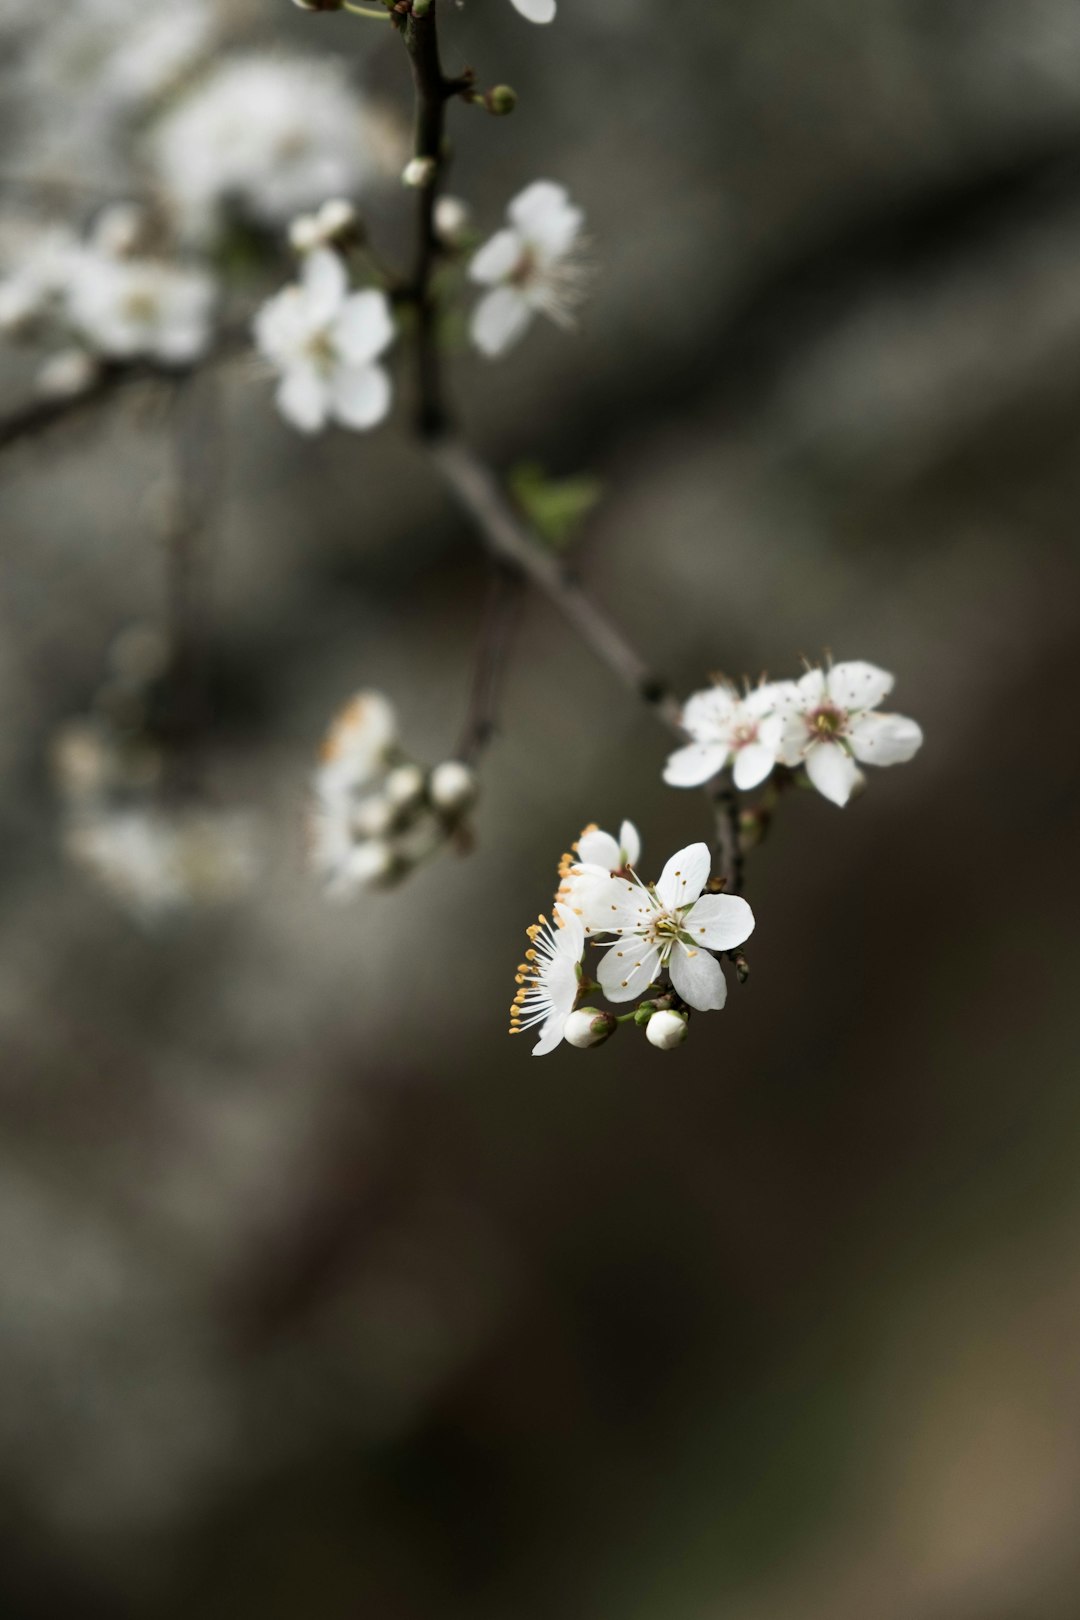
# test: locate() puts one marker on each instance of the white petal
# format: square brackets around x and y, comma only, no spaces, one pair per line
[628,969]
[364,328]
[498,258]
[545,217]
[884,739]
[302,399]
[325,283]
[360,395]
[537,11]
[499,320]
[720,922]
[707,716]
[698,977]
[752,765]
[571,935]
[858,686]
[812,689]
[630,843]
[618,906]
[695,764]
[832,771]
[684,876]
[598,848]
[794,740]
[551,1033]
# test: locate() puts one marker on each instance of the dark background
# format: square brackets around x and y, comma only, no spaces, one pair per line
[318,1297]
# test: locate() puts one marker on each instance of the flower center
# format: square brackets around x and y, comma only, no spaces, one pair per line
[141,307]
[524,270]
[744,733]
[827,723]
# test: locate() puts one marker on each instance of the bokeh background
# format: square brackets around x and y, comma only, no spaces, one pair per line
[318,1297]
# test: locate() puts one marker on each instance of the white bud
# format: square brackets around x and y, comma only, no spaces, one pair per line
[451,219]
[337,219]
[666,1030]
[373,816]
[67,374]
[304,234]
[369,864]
[419,172]
[452,786]
[404,786]
[588,1027]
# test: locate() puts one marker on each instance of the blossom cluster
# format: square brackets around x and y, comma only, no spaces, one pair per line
[658,941]
[376,814]
[156,852]
[825,723]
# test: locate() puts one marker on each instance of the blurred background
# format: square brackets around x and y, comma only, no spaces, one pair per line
[317,1296]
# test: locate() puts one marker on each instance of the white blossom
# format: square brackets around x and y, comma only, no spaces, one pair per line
[128,309]
[325,341]
[591,861]
[671,926]
[537,11]
[266,136]
[831,723]
[42,262]
[667,1030]
[727,729]
[531,265]
[548,979]
[156,862]
[335,222]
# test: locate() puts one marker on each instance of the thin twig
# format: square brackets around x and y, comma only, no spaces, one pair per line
[501,614]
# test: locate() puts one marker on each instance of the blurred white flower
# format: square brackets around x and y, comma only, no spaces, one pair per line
[829,724]
[453,786]
[128,309]
[451,220]
[267,136]
[537,11]
[42,261]
[156,862]
[67,374]
[727,728]
[325,341]
[335,222]
[674,926]
[548,979]
[532,265]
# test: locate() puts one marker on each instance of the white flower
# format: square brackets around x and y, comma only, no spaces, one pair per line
[592,860]
[156,862]
[548,979]
[537,11]
[43,263]
[530,266]
[359,742]
[667,1029]
[324,341]
[267,136]
[726,727]
[829,725]
[672,926]
[337,221]
[128,309]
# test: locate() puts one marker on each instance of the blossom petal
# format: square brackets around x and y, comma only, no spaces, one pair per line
[545,217]
[752,765]
[857,685]
[695,764]
[537,11]
[498,258]
[499,320]
[551,1032]
[302,400]
[618,907]
[627,969]
[707,715]
[698,977]
[630,843]
[832,771]
[364,328]
[360,395]
[596,848]
[811,689]
[884,739]
[720,922]
[684,876]
[325,283]
[571,936]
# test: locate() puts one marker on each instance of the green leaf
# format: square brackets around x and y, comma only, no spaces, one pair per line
[556,507]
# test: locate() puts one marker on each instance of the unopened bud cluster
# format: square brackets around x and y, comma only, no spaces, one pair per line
[336,224]
[377,814]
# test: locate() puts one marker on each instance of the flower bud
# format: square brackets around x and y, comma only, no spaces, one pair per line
[451,220]
[588,1027]
[501,100]
[369,864]
[338,220]
[404,786]
[304,234]
[666,1030]
[643,1012]
[67,374]
[419,172]
[373,817]
[452,786]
